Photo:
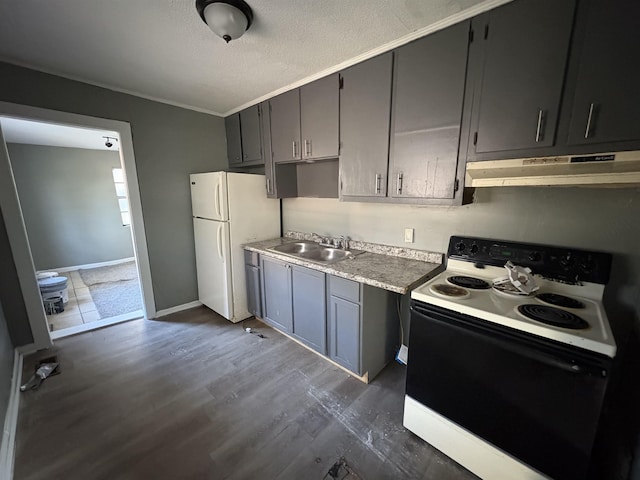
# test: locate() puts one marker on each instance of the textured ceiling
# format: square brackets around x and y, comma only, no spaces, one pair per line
[162,50]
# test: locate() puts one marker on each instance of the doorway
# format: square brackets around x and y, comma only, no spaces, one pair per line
[117,132]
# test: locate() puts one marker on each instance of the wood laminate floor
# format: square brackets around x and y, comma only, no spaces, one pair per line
[193,396]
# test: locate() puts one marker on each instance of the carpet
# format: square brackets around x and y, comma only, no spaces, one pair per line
[110,273]
[115,289]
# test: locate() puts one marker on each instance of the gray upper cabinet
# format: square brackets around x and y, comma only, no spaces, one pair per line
[319,111]
[606,103]
[429,81]
[251,135]
[285,126]
[277,293]
[234,142]
[365,108]
[309,307]
[304,122]
[518,61]
[280,180]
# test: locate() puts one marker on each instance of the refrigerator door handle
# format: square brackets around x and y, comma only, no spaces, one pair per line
[220,242]
[217,200]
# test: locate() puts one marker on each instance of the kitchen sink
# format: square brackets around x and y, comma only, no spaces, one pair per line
[314,252]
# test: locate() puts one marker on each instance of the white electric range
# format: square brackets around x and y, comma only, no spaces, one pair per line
[511,385]
[561,303]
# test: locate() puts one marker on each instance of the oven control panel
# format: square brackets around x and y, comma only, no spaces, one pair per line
[559,263]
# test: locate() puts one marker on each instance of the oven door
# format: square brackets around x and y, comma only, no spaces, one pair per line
[533,398]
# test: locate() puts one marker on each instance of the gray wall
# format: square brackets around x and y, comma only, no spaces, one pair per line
[599,219]
[169,144]
[69,205]
[6,366]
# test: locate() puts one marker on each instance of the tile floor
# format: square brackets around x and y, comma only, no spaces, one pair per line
[80,308]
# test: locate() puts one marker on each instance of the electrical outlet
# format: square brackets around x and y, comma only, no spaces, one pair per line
[408,235]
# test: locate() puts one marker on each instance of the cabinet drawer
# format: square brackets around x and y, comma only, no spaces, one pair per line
[343,288]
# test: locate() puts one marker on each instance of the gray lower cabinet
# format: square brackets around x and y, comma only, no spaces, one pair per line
[309,307]
[429,82]
[254,288]
[277,294]
[234,139]
[353,324]
[344,333]
[363,326]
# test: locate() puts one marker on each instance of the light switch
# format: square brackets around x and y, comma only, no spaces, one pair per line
[408,235]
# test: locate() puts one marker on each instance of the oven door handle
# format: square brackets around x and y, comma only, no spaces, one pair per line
[514,341]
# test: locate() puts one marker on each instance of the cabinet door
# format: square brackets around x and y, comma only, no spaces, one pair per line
[285,126]
[280,180]
[276,282]
[344,333]
[251,134]
[319,104]
[365,109]
[269,168]
[309,308]
[427,107]
[525,47]
[606,106]
[234,143]
[254,302]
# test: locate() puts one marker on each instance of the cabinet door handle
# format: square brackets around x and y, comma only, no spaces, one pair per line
[399,184]
[307,148]
[587,131]
[268,185]
[294,149]
[540,128]
[377,183]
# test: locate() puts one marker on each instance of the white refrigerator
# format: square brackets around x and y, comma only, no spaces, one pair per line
[229,210]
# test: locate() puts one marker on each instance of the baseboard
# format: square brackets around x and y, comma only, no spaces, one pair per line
[7,449]
[89,265]
[177,308]
[105,322]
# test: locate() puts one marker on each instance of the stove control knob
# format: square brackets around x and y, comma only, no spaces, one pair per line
[461,247]
[534,256]
[586,264]
[567,261]
[473,249]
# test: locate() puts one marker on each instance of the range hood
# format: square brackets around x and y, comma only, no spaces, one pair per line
[613,169]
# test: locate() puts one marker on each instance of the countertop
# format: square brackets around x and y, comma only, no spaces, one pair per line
[394,273]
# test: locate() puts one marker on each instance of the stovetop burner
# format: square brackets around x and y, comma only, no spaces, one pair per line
[553,316]
[450,291]
[469,282]
[560,300]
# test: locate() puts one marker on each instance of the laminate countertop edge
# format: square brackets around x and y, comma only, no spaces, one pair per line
[396,274]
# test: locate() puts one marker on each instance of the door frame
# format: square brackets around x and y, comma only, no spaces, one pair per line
[18,240]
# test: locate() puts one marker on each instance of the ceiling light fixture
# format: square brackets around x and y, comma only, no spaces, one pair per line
[228,19]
